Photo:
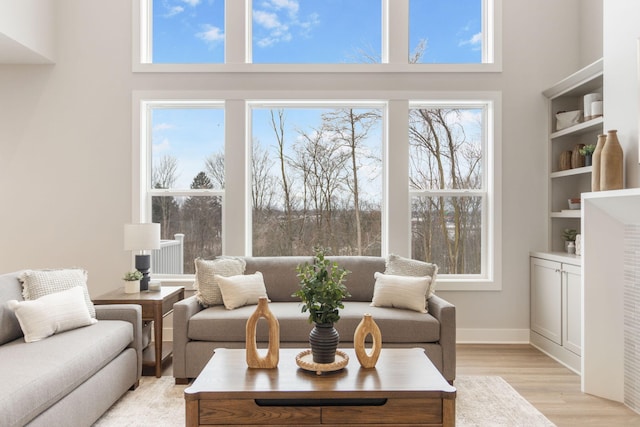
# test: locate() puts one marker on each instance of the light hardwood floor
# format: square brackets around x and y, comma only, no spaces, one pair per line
[553,389]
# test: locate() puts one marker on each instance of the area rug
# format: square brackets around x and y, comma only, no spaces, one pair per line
[482,401]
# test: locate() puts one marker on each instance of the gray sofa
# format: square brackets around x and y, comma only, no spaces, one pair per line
[197,331]
[70,378]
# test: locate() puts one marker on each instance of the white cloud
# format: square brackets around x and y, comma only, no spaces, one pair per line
[475,41]
[211,34]
[164,145]
[266,19]
[291,5]
[192,3]
[174,11]
[163,126]
[278,18]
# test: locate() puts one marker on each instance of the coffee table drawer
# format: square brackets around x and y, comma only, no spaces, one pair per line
[393,412]
[246,411]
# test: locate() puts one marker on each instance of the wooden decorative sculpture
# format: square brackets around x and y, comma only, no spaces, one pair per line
[367,327]
[270,360]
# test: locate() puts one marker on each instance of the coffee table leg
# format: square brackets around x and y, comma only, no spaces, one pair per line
[191,409]
[448,412]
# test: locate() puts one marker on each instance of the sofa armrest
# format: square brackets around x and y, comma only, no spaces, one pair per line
[131,313]
[445,312]
[182,312]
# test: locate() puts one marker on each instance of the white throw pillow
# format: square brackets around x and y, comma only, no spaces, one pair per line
[51,314]
[206,285]
[401,266]
[401,292]
[38,283]
[241,290]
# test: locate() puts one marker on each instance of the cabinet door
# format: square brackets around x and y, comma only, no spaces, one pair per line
[572,308]
[546,299]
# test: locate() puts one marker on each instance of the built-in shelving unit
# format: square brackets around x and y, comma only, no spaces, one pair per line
[568,95]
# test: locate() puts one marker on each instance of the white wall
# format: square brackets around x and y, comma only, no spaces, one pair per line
[621,89]
[27,31]
[590,31]
[65,145]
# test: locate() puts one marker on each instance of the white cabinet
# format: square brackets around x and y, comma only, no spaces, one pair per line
[568,95]
[556,320]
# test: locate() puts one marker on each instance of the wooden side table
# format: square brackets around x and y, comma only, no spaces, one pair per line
[155,306]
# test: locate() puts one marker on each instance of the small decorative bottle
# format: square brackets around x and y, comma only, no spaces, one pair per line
[595,161]
[271,359]
[611,163]
[367,327]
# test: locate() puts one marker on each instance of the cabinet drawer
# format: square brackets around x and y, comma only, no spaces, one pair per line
[393,412]
[246,411]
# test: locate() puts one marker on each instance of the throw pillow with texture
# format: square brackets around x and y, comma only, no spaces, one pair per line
[400,266]
[206,285]
[241,290]
[38,283]
[401,292]
[51,314]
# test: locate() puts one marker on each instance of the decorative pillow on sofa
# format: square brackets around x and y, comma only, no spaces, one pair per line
[241,290]
[401,292]
[401,266]
[51,314]
[38,283]
[206,285]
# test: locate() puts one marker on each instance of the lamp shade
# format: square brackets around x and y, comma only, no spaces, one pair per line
[140,237]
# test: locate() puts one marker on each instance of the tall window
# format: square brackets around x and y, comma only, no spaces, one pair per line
[448,186]
[316,179]
[185,181]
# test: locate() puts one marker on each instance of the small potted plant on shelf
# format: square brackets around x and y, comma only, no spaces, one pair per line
[587,152]
[322,290]
[132,281]
[569,236]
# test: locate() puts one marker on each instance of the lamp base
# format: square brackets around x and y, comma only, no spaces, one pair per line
[143,264]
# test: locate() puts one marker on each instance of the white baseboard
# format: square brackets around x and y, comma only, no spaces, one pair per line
[492,336]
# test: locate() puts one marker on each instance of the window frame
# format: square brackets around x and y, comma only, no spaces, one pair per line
[396,199]
[394,55]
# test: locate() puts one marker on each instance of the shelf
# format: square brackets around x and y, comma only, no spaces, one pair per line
[581,82]
[580,128]
[574,213]
[571,172]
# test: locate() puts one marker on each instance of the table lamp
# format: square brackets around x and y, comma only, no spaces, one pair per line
[142,237]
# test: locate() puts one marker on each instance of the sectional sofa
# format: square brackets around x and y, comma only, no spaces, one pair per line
[69,378]
[198,330]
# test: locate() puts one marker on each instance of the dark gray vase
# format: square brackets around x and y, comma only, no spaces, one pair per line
[324,341]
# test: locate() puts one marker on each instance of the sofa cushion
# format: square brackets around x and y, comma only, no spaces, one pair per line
[10,289]
[401,292]
[243,289]
[207,288]
[52,314]
[360,281]
[401,266]
[35,376]
[279,273]
[397,326]
[38,283]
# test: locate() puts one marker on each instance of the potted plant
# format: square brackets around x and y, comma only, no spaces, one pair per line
[587,152]
[132,281]
[569,236]
[321,291]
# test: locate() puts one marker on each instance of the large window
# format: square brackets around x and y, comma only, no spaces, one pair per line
[184,181]
[356,35]
[448,185]
[316,179]
[364,177]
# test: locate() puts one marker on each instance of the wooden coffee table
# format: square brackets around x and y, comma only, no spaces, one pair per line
[403,389]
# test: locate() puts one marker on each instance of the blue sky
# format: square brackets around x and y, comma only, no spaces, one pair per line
[314,31]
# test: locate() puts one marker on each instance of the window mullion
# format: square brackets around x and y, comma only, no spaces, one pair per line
[236,34]
[395,31]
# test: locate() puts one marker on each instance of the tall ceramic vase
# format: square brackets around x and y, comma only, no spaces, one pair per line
[324,339]
[611,163]
[595,161]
